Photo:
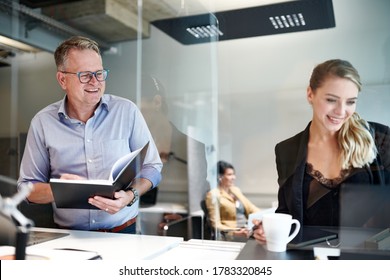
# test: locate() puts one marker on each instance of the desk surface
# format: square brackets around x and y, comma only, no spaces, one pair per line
[351,245]
[111,246]
[115,246]
[162,207]
[196,249]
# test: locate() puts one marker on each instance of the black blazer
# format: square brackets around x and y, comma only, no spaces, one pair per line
[291,157]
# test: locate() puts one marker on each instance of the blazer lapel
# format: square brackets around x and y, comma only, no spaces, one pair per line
[299,173]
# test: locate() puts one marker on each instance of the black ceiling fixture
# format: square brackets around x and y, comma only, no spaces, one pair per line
[4,64]
[43,3]
[271,19]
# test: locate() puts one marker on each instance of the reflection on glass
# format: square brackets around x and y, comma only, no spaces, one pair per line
[178,151]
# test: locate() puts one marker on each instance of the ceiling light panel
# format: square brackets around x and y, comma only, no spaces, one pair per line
[292,16]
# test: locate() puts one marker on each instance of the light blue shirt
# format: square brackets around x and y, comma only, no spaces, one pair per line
[57,144]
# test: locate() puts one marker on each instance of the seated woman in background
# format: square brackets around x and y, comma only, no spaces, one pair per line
[227,206]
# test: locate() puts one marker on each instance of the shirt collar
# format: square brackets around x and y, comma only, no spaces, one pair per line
[62,110]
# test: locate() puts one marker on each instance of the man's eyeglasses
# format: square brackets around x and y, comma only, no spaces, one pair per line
[86,76]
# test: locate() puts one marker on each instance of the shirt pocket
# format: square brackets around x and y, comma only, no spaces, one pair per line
[112,150]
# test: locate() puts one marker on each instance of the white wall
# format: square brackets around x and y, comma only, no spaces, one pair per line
[32,79]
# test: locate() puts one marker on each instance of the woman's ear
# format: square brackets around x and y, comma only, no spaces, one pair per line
[157,102]
[309,95]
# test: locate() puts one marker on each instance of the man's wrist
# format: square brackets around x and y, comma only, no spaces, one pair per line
[135,196]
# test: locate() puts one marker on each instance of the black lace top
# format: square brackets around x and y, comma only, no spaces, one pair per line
[322,194]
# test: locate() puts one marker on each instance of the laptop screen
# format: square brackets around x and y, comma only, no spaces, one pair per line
[364,214]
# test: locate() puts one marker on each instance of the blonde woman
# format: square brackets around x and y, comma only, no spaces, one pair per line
[336,147]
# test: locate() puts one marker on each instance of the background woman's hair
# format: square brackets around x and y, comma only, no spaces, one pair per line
[152,86]
[222,166]
[355,140]
[75,42]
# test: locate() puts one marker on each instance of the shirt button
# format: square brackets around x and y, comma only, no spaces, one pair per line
[93,221]
[90,160]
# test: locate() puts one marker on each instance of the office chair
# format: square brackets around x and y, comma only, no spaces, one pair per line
[189,227]
[209,232]
[149,198]
[41,214]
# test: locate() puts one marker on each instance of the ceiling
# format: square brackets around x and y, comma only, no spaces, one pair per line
[116,20]
[112,21]
[158,9]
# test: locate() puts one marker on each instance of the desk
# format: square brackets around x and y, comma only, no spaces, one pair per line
[116,246]
[351,245]
[112,246]
[197,249]
[254,251]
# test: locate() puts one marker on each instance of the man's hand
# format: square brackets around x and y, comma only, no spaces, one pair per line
[112,206]
[67,176]
[121,198]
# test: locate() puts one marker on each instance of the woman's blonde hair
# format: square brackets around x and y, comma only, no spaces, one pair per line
[356,143]
[355,140]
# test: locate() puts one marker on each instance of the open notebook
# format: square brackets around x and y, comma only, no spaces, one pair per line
[75,193]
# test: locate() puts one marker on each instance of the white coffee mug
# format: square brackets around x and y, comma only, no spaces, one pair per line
[277,227]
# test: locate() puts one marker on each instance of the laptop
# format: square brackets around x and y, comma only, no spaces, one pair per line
[37,237]
[364,215]
[365,205]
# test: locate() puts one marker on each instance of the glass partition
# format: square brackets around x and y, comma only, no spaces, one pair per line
[203,101]
[175,85]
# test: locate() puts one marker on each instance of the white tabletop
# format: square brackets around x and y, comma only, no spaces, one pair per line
[162,207]
[196,249]
[111,246]
[117,246]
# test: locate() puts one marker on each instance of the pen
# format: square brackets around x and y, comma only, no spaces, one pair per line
[252,230]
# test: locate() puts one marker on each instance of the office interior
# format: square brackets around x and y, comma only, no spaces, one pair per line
[234,92]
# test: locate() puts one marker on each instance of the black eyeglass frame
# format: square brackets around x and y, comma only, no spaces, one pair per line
[106,71]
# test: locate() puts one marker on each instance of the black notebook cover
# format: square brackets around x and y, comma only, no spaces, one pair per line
[75,193]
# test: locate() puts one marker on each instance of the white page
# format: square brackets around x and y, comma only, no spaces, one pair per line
[121,163]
